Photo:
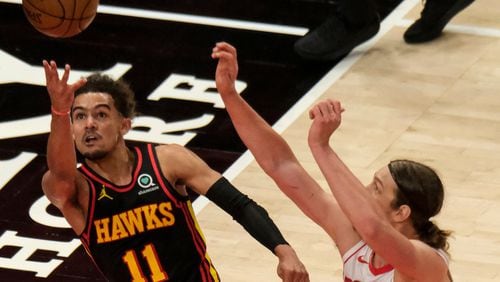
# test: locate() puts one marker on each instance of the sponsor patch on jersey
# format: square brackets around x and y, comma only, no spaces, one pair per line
[145,181]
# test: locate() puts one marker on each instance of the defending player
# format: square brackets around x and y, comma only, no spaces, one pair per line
[383,232]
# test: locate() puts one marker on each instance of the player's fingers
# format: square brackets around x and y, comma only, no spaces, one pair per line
[47,68]
[78,84]
[53,65]
[297,275]
[285,276]
[314,112]
[337,107]
[231,49]
[227,47]
[216,52]
[330,108]
[325,109]
[311,114]
[222,55]
[65,75]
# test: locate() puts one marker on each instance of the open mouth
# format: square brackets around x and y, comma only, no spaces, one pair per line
[90,139]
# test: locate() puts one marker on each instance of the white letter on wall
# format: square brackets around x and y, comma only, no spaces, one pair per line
[28,246]
[198,90]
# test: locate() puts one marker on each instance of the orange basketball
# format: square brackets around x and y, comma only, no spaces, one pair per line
[60,18]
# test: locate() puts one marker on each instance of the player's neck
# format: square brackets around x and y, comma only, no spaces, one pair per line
[116,167]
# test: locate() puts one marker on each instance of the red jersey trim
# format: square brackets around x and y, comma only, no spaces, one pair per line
[90,213]
[87,250]
[159,176]
[355,252]
[96,177]
[198,240]
[379,270]
[374,270]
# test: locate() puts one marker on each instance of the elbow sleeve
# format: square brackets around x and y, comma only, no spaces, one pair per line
[246,212]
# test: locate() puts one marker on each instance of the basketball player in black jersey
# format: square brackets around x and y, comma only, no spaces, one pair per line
[130,205]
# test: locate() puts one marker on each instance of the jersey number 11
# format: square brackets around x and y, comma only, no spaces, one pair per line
[149,253]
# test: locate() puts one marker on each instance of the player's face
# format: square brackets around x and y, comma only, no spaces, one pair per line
[97,125]
[383,188]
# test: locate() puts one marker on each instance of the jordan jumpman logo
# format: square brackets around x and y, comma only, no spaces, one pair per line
[103,194]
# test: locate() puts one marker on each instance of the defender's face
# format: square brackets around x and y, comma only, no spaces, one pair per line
[383,188]
[97,125]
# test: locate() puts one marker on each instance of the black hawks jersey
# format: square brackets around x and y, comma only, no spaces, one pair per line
[144,231]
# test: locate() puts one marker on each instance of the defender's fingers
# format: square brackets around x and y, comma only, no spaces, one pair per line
[222,55]
[226,46]
[311,114]
[314,112]
[337,107]
[325,109]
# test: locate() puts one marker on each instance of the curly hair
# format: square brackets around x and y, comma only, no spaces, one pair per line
[119,90]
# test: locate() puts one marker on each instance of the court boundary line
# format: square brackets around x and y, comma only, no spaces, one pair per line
[460,28]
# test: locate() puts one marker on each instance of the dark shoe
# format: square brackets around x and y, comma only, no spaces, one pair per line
[434,17]
[334,38]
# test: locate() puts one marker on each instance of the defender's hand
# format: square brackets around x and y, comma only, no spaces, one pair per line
[227,67]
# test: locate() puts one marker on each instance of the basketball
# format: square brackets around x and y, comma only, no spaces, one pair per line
[60,18]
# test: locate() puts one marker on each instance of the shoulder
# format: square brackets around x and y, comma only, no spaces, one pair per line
[181,165]
[170,149]
[425,250]
[173,152]
[431,259]
[178,158]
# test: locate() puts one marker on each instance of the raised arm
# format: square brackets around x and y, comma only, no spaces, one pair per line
[60,181]
[184,168]
[275,156]
[411,258]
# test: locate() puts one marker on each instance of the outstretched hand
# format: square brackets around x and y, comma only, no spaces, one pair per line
[227,67]
[326,116]
[61,93]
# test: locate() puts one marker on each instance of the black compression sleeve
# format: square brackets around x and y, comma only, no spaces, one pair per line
[246,212]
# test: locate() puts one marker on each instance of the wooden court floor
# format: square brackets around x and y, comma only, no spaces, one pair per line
[438,103]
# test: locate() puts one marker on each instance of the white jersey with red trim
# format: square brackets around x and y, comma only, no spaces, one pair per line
[358,267]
